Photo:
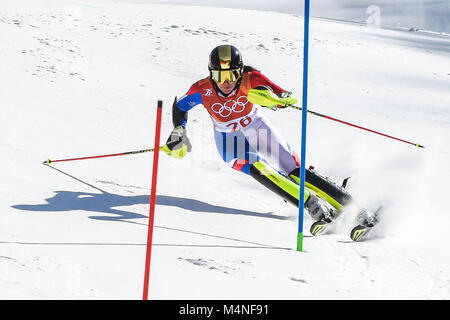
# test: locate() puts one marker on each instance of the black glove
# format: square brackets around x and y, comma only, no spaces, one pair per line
[178,144]
[178,138]
[288,97]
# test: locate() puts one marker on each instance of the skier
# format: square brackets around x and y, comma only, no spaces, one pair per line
[244,137]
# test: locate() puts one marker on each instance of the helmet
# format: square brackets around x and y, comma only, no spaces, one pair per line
[225,63]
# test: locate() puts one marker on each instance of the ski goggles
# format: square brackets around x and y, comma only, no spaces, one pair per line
[220,76]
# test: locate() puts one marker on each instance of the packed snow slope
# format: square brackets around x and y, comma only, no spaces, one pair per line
[81,78]
[431,15]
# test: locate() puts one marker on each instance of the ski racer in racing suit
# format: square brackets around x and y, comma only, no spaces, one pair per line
[244,137]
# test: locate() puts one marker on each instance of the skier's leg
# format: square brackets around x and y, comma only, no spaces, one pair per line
[240,155]
[235,150]
[335,195]
[277,182]
[289,190]
[269,144]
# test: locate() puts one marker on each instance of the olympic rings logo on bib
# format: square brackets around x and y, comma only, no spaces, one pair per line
[226,109]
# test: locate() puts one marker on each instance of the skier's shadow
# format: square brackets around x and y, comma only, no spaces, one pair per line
[109,203]
[106,202]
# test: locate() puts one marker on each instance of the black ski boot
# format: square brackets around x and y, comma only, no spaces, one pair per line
[336,195]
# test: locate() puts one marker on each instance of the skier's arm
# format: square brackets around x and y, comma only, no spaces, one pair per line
[260,81]
[181,107]
[179,117]
[178,143]
[257,79]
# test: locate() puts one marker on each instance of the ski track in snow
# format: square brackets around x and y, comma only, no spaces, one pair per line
[81,79]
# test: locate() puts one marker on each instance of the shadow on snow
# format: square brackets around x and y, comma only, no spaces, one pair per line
[109,203]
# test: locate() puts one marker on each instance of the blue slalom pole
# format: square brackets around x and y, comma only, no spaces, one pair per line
[304,115]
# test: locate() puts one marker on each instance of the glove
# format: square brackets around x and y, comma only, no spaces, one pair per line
[265,97]
[287,99]
[177,144]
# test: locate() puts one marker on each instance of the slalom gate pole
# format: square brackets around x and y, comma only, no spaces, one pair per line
[100,156]
[354,125]
[152,201]
[304,115]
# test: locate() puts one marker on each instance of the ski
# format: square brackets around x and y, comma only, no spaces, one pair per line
[318,227]
[359,232]
[366,221]
[328,201]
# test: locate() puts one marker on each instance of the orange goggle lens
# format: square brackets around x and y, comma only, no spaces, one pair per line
[221,76]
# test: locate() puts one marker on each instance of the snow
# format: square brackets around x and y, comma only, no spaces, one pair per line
[81,78]
[417,15]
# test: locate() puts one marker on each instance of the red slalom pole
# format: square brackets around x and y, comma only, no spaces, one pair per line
[100,156]
[152,201]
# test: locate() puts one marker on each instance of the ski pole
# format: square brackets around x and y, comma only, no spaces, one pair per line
[356,126]
[100,156]
[268,98]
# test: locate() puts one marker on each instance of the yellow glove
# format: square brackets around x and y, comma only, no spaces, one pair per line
[177,153]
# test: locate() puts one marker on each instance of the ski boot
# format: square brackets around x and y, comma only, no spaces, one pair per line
[366,221]
[320,212]
[324,188]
